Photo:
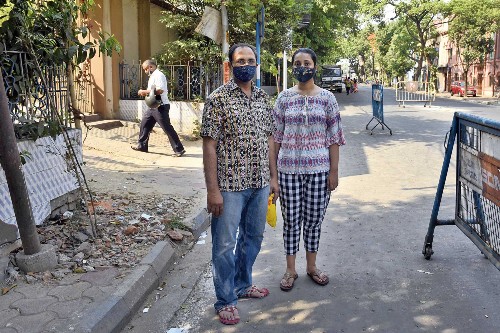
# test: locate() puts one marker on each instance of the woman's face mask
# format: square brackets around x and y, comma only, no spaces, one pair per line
[303,74]
[244,73]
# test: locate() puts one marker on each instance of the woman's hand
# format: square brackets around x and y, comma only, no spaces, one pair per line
[333,180]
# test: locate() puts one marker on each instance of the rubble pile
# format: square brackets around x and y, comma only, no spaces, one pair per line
[127,228]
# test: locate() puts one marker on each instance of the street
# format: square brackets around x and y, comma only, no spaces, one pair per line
[371,245]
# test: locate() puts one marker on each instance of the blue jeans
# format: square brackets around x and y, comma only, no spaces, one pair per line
[244,213]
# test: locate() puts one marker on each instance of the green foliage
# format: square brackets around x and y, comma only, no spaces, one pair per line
[25,156]
[472,24]
[329,22]
[196,129]
[52,33]
[33,129]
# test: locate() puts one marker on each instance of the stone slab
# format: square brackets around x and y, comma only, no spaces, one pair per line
[160,258]
[42,261]
[101,277]
[8,233]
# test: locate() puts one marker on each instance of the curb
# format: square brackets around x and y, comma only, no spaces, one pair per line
[113,314]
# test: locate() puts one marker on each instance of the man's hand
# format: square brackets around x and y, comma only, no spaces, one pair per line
[215,203]
[143,92]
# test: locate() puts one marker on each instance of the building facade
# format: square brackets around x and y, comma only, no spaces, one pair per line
[135,23]
[484,75]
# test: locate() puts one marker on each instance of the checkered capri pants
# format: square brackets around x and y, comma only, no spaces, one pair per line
[303,199]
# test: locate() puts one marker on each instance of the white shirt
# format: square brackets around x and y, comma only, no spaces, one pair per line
[160,81]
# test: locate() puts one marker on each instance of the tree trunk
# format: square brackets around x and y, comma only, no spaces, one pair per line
[11,164]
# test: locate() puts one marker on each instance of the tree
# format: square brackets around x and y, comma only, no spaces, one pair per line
[329,22]
[471,25]
[397,49]
[50,33]
[418,17]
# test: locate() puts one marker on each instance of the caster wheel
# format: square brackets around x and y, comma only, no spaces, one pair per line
[428,252]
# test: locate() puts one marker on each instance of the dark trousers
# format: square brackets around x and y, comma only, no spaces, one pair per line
[160,116]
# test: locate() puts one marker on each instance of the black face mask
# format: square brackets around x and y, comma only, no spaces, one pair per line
[303,74]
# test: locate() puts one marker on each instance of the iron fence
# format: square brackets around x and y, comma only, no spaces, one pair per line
[415,91]
[32,96]
[185,82]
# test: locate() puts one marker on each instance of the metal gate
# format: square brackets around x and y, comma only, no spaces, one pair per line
[414,91]
[477,207]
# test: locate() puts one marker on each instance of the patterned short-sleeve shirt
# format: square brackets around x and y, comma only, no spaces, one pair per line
[241,126]
[306,126]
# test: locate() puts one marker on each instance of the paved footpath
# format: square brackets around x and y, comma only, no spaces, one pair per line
[102,301]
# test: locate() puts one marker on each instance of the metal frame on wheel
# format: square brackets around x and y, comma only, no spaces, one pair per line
[477,206]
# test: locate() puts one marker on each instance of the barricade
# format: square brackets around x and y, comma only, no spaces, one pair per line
[414,91]
[378,108]
[477,203]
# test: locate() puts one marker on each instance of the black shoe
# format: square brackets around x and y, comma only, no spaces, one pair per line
[139,149]
[179,154]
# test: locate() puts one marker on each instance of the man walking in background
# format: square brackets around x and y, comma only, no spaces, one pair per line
[157,114]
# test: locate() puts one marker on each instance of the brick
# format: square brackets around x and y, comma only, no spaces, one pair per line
[7,315]
[32,306]
[33,323]
[70,309]
[69,292]
[160,258]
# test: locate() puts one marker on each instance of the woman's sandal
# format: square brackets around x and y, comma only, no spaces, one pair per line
[224,319]
[254,292]
[286,277]
[319,277]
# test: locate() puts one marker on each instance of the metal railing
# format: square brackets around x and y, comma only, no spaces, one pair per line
[477,201]
[32,97]
[414,91]
[185,82]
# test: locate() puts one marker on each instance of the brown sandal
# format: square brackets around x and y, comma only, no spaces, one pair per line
[226,321]
[287,276]
[319,277]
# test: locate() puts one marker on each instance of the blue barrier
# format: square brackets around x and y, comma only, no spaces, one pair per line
[378,108]
[477,211]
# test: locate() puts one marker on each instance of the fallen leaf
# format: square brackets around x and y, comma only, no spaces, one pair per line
[7,289]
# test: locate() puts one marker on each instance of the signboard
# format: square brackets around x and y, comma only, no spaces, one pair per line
[411,86]
[211,25]
[482,172]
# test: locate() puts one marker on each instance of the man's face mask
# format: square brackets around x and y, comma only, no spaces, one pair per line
[303,74]
[244,73]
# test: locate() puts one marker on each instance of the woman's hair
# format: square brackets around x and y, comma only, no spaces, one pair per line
[235,46]
[305,50]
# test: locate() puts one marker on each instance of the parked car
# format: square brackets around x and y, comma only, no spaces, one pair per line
[458,87]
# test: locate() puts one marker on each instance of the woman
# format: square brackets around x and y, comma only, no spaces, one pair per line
[308,135]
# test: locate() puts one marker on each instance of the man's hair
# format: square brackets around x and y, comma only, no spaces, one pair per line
[305,50]
[149,62]
[235,46]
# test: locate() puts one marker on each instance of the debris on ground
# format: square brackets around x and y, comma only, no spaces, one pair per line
[127,227]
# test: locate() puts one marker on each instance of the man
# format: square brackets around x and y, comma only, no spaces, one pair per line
[237,142]
[157,115]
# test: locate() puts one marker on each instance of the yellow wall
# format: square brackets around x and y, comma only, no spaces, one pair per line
[143,19]
[130,31]
[117,29]
[159,33]
[135,24]
[97,63]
